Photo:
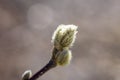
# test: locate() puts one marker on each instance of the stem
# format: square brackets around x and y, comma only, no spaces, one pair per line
[49,66]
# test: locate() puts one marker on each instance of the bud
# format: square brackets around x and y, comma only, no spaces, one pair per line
[63,57]
[26,75]
[64,36]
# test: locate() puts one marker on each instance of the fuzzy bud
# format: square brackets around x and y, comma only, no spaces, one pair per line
[63,57]
[64,36]
[26,75]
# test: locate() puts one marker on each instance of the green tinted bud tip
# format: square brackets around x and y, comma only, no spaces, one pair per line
[64,36]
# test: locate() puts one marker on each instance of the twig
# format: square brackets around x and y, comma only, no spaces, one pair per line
[49,66]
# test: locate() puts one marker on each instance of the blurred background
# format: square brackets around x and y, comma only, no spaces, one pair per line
[26,28]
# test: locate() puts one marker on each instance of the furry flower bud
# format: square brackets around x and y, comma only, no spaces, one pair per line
[64,36]
[63,57]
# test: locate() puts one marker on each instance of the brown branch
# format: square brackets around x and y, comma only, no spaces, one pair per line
[49,66]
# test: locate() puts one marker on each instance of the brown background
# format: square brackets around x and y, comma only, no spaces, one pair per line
[26,28]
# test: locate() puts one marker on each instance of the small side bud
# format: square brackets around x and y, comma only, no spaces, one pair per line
[63,57]
[26,75]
